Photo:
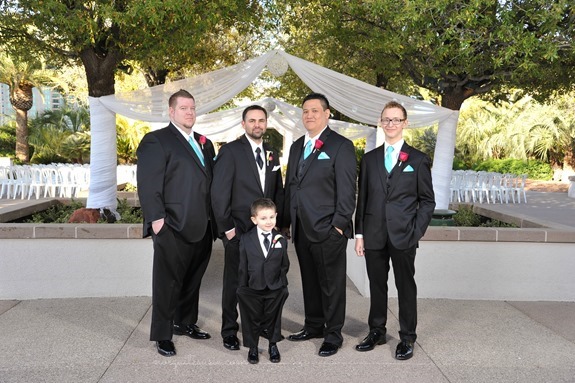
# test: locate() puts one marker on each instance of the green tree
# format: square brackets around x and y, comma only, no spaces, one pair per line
[107,36]
[457,49]
[22,75]
[61,135]
[520,128]
[130,133]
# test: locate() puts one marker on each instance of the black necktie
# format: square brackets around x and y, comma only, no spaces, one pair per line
[259,160]
[266,241]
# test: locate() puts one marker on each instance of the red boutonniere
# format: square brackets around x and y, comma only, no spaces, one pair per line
[318,145]
[203,141]
[403,156]
[269,158]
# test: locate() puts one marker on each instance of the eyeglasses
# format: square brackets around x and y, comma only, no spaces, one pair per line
[394,121]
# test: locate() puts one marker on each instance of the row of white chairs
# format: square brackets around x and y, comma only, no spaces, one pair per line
[126,174]
[492,187]
[55,180]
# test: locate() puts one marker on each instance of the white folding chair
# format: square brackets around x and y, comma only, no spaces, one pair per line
[519,188]
[6,181]
[38,182]
[22,180]
[65,181]
[52,181]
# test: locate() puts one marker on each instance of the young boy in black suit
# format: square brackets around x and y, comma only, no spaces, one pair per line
[262,289]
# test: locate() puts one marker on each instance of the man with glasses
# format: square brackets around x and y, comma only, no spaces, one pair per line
[394,207]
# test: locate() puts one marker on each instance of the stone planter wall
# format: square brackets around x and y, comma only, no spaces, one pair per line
[102,260]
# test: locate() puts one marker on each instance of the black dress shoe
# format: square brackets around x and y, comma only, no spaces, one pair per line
[166,348]
[302,335]
[275,356]
[404,350]
[253,357]
[191,330]
[328,349]
[231,342]
[371,340]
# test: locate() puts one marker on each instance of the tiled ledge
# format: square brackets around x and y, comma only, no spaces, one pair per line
[134,231]
[70,231]
[499,234]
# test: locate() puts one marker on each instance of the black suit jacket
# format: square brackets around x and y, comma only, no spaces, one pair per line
[237,184]
[173,184]
[324,195]
[259,272]
[398,205]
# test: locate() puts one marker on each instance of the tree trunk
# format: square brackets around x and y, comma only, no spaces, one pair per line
[453,98]
[100,70]
[22,147]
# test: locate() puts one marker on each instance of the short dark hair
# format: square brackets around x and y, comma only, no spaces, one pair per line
[254,107]
[395,104]
[262,203]
[317,96]
[181,93]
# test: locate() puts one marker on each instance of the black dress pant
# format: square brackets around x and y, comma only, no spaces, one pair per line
[176,278]
[403,261]
[261,310]
[230,286]
[323,275]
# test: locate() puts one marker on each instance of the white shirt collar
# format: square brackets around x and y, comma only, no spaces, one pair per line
[307,137]
[396,147]
[260,232]
[186,135]
[254,145]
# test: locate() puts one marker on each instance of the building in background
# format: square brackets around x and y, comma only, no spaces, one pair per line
[44,99]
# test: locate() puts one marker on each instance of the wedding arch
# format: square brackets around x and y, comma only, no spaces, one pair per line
[353,98]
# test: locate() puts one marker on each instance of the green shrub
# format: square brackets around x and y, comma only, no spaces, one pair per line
[128,213]
[61,213]
[55,214]
[534,169]
[466,217]
[7,140]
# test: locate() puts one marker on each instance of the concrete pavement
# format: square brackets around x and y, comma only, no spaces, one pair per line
[106,339]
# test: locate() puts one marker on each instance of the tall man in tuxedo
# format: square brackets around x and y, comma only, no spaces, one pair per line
[320,199]
[394,208]
[174,177]
[245,170]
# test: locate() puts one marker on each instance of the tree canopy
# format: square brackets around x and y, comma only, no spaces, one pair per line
[455,48]
[107,35]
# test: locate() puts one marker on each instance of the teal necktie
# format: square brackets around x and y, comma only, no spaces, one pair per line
[197,149]
[307,150]
[388,159]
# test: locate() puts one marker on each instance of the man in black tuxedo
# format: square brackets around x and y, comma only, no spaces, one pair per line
[394,208]
[174,177]
[245,170]
[320,199]
[262,290]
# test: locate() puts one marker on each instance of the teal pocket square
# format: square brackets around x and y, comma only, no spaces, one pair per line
[408,168]
[323,156]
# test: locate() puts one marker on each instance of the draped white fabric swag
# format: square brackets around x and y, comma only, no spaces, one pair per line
[351,97]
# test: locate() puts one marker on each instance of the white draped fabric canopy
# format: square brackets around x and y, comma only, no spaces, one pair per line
[351,97]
